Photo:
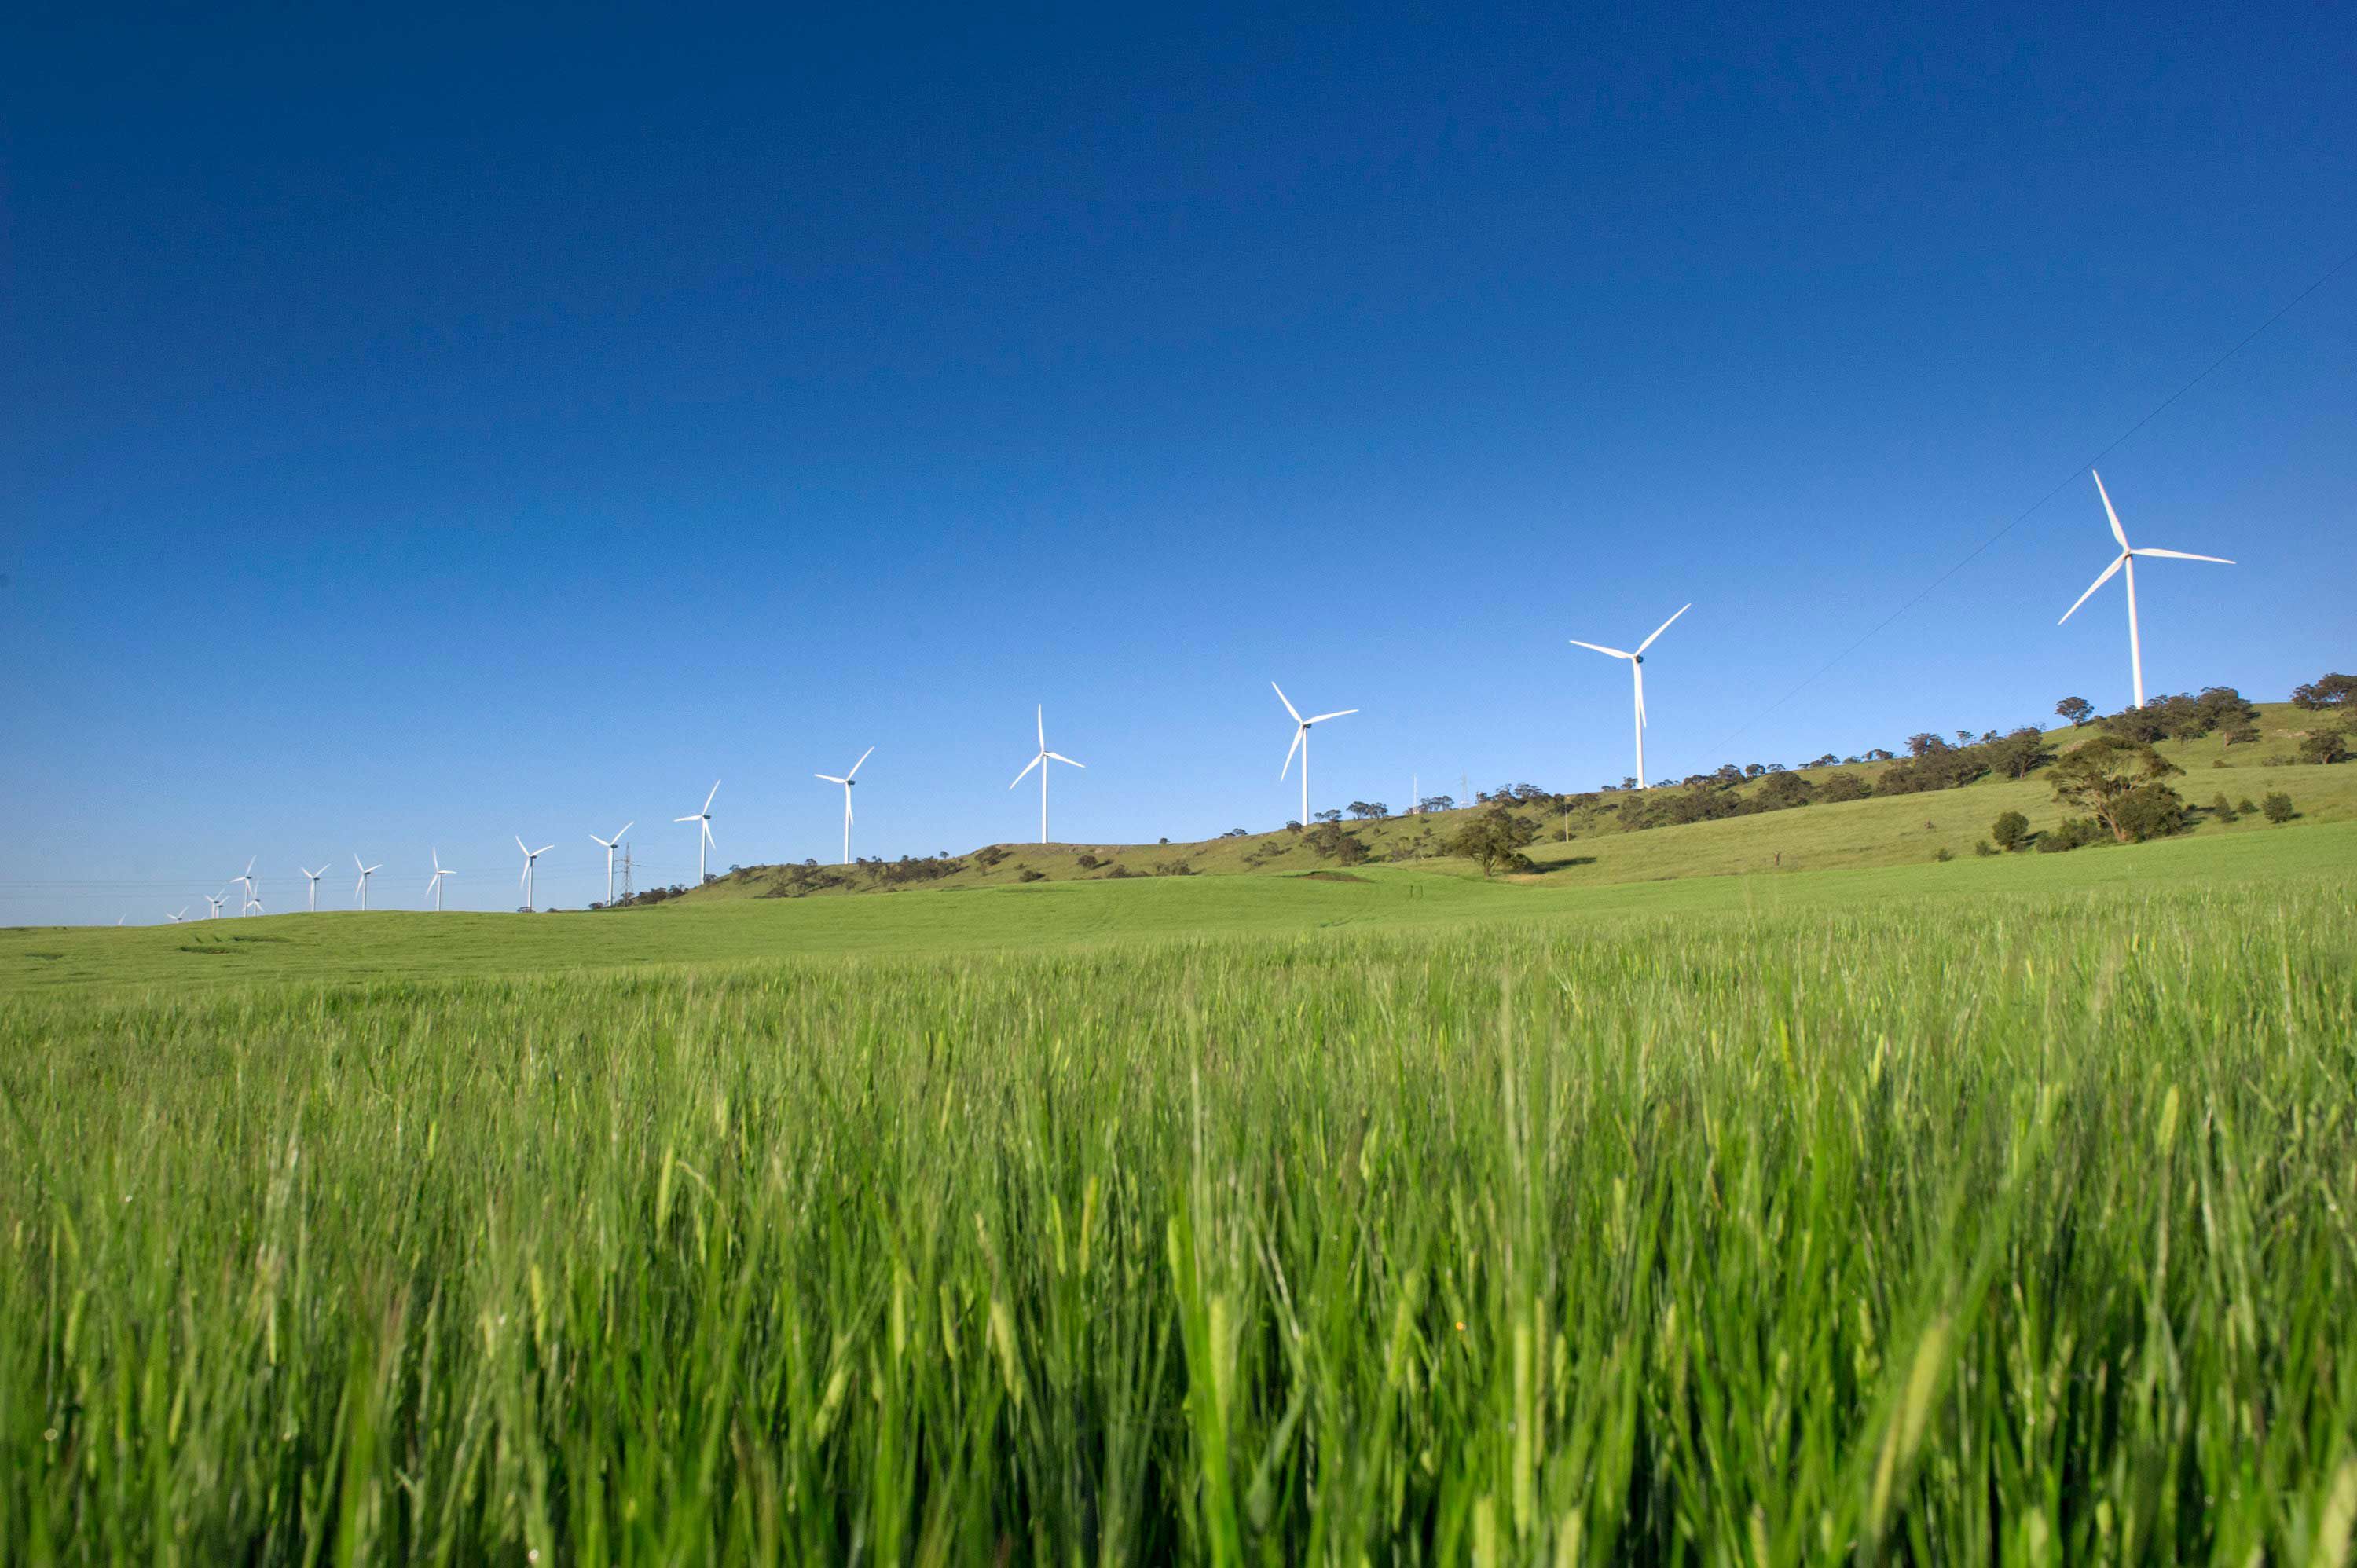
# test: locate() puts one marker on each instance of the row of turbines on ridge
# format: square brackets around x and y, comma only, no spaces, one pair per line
[250,901]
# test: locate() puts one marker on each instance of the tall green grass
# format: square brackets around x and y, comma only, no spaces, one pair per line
[2021,1231]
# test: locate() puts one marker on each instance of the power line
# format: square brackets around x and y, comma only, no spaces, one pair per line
[2019,517]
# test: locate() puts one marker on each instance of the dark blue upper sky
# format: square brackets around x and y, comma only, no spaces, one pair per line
[432,426]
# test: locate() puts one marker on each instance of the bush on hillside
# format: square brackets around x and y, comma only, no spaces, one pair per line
[2074,832]
[1494,839]
[2246,806]
[2182,716]
[1030,873]
[2325,746]
[2011,831]
[2278,808]
[2149,812]
[1845,787]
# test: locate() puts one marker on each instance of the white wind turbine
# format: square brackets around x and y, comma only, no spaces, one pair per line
[181,916]
[249,901]
[1040,762]
[1636,669]
[314,876]
[1301,743]
[703,819]
[434,886]
[530,856]
[366,872]
[213,904]
[2127,558]
[849,781]
[607,846]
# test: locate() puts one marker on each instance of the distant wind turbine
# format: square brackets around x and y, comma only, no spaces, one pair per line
[703,819]
[1636,669]
[2127,558]
[607,846]
[181,916]
[314,876]
[1301,743]
[1040,762]
[366,872]
[213,903]
[849,781]
[248,902]
[529,856]
[434,886]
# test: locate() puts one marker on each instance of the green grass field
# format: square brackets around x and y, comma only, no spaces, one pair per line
[1992,1209]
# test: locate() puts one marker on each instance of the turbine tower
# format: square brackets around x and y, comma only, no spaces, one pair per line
[530,856]
[607,846]
[1636,669]
[2127,558]
[1301,743]
[848,781]
[366,872]
[434,886]
[247,902]
[704,840]
[1040,762]
[315,876]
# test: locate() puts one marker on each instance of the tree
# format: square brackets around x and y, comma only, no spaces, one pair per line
[1437,804]
[1754,769]
[1328,816]
[1845,787]
[2242,735]
[2020,753]
[2278,808]
[2325,746]
[2011,831]
[2329,692]
[1493,839]
[2117,781]
[1924,743]
[1235,834]
[2078,710]
[1963,737]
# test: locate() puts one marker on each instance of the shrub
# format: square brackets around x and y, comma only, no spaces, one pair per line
[2247,807]
[2278,808]
[1030,873]
[1845,787]
[2325,746]
[2073,833]
[2148,812]
[1945,855]
[1088,861]
[1984,850]
[2222,807]
[2242,735]
[2011,831]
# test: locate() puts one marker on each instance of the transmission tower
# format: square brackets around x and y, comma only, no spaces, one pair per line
[627,891]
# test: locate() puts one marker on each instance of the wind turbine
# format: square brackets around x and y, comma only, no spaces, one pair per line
[315,876]
[703,819]
[248,903]
[1301,743]
[529,856]
[608,844]
[1636,669]
[181,916]
[213,904]
[1040,762]
[2127,558]
[366,872]
[434,886]
[849,780]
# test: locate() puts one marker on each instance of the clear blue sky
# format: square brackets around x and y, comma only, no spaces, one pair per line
[426,427]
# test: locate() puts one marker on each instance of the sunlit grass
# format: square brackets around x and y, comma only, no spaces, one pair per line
[2017,1228]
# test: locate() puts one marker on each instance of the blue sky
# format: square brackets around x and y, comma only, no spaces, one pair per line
[425,428]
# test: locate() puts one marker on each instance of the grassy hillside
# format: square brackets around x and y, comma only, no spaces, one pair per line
[1879,830]
[409,948]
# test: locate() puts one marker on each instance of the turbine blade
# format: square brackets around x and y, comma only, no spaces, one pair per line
[871,751]
[602,844]
[1286,700]
[1298,731]
[830,778]
[2117,532]
[626,827]
[519,844]
[687,819]
[1061,757]
[1337,714]
[1027,768]
[544,849]
[356,859]
[707,832]
[2117,561]
[1662,627]
[1601,648]
[2181,555]
[1042,715]
[707,800]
